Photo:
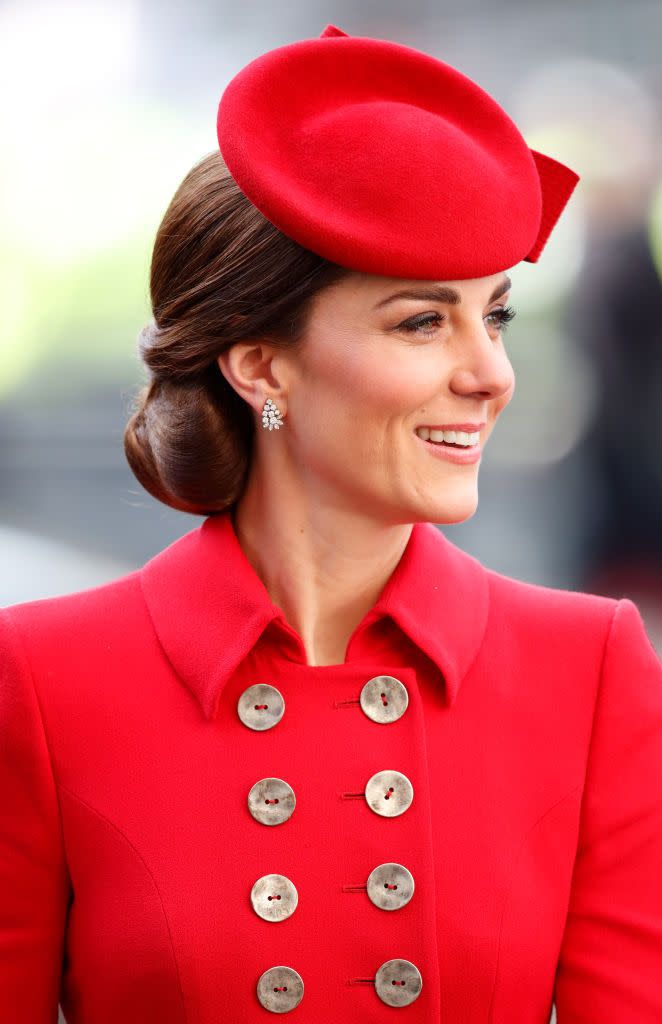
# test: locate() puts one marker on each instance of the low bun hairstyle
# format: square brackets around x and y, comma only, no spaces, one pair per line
[220,273]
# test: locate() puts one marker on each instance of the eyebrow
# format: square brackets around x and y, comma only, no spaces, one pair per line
[441,293]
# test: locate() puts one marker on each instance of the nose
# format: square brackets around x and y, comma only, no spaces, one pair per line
[483,367]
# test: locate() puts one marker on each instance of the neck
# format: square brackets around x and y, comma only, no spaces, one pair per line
[324,566]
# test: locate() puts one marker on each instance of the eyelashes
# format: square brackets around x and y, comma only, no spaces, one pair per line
[503,315]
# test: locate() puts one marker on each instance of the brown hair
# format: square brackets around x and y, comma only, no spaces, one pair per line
[220,273]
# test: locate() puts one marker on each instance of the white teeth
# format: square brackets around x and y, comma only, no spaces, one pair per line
[451,436]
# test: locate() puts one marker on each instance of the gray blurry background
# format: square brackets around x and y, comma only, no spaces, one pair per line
[103,109]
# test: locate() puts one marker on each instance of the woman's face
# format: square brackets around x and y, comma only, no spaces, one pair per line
[371,369]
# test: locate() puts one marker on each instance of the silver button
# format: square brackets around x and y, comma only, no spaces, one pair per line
[390,886]
[389,793]
[398,982]
[261,706]
[280,989]
[274,897]
[271,801]
[384,699]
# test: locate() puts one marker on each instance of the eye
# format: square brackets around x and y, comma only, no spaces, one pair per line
[504,315]
[416,323]
[426,323]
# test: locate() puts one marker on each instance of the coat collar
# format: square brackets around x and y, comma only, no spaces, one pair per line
[209,607]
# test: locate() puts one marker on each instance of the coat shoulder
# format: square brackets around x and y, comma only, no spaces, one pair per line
[557,618]
[48,617]
[550,645]
[52,632]
[536,598]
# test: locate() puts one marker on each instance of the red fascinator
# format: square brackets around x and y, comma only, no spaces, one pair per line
[386,160]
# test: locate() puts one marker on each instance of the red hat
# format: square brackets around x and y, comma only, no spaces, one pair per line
[386,160]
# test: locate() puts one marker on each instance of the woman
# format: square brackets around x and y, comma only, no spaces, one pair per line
[312,757]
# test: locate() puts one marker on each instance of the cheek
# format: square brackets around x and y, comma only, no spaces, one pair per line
[373,385]
[352,397]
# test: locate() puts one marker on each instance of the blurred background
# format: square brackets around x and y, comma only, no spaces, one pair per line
[103,109]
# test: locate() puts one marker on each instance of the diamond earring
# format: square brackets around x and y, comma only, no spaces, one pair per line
[272,417]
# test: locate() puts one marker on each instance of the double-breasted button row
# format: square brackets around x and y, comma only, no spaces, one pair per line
[271,801]
[383,699]
[398,982]
[389,886]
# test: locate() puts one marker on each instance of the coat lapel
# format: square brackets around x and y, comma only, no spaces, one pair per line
[209,607]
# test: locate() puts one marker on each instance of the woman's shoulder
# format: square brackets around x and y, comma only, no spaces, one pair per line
[54,650]
[535,600]
[509,594]
[74,610]
[48,633]
[583,624]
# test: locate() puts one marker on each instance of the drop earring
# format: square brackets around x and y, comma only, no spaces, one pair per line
[272,417]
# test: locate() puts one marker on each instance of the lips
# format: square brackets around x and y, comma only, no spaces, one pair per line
[468,428]
[462,454]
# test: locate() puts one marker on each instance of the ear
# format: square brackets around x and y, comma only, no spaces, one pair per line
[257,371]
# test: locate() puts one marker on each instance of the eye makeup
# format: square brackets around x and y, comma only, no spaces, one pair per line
[503,314]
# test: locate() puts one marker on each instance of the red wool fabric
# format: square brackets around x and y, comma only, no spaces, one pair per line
[385,160]
[532,739]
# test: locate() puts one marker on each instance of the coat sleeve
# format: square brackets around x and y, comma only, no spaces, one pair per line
[610,964]
[34,884]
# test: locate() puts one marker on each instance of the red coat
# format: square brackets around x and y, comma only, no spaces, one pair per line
[522,854]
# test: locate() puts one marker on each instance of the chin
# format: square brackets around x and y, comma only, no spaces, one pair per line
[453,511]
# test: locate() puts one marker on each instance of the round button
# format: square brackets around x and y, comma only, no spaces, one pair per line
[384,699]
[389,793]
[398,982]
[271,801]
[274,897]
[280,989]
[261,706]
[390,886]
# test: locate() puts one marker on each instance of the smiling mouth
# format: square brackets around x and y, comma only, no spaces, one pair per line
[454,452]
[460,440]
